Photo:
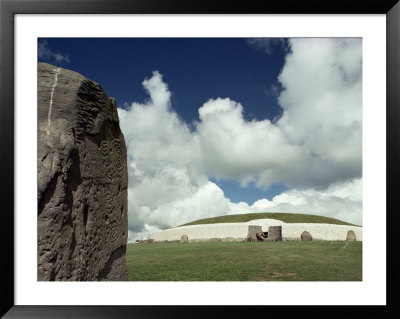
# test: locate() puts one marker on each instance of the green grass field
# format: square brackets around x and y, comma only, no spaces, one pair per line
[285,217]
[246,261]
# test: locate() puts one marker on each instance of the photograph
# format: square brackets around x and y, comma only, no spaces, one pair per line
[199,159]
[174,159]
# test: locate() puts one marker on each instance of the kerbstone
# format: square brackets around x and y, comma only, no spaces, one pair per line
[184,239]
[306,236]
[351,236]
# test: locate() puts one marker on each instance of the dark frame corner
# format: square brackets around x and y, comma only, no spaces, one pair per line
[8,8]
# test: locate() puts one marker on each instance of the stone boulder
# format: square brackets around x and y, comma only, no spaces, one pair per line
[252,233]
[351,236]
[260,236]
[305,236]
[184,239]
[82,180]
[275,233]
[250,238]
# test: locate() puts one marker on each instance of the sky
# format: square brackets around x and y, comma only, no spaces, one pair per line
[218,126]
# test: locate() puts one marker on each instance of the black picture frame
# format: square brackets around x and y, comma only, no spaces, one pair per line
[9,8]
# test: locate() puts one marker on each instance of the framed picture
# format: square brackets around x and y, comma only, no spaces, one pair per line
[22,297]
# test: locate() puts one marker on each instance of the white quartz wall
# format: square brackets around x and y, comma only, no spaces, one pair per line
[207,231]
[321,231]
[240,230]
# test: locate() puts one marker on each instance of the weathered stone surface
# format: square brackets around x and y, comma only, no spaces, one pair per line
[252,234]
[184,239]
[82,180]
[351,236]
[306,236]
[274,233]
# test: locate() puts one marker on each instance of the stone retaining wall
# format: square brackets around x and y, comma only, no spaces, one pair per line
[239,231]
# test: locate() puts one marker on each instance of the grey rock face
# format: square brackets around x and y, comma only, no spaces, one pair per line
[184,239]
[275,233]
[82,180]
[252,234]
[351,236]
[306,236]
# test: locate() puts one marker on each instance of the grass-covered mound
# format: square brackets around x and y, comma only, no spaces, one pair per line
[285,217]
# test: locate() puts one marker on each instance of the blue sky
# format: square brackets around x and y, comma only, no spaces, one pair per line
[231,67]
[230,125]
[195,70]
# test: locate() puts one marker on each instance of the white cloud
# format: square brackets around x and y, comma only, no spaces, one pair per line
[44,52]
[163,159]
[248,151]
[322,101]
[206,201]
[314,148]
[148,232]
[341,201]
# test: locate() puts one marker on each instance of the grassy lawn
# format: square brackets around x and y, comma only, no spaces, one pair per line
[285,217]
[246,261]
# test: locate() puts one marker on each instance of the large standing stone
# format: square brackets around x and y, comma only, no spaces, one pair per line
[252,234]
[82,180]
[275,233]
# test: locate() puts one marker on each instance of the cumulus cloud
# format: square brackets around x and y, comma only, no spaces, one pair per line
[44,52]
[314,148]
[341,201]
[322,99]
[163,159]
[247,151]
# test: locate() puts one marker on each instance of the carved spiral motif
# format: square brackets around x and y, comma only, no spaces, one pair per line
[113,232]
[110,173]
[108,200]
[116,147]
[119,165]
[104,148]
